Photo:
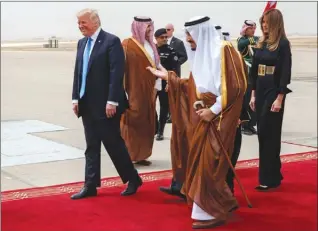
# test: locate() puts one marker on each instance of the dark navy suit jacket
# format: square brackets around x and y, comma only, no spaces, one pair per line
[104,81]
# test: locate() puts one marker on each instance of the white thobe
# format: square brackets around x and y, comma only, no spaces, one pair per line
[150,51]
[200,214]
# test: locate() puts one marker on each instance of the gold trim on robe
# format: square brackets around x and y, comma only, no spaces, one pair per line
[205,185]
[223,75]
[139,86]
[145,52]
[244,71]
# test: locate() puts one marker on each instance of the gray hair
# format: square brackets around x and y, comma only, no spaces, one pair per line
[93,15]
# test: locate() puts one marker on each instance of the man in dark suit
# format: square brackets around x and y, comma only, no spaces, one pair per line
[169,60]
[99,98]
[179,47]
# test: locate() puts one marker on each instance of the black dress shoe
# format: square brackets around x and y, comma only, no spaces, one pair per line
[159,137]
[85,192]
[247,131]
[132,187]
[233,209]
[143,162]
[169,119]
[172,191]
[253,130]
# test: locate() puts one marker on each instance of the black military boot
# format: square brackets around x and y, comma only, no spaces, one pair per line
[160,132]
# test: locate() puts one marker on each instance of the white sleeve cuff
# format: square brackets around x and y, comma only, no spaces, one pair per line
[74,101]
[217,106]
[112,103]
[158,84]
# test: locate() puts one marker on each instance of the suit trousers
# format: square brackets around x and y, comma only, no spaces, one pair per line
[164,109]
[106,131]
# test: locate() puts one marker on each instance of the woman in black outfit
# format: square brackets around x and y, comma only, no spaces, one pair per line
[271,73]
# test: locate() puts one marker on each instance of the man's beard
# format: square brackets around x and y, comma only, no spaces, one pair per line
[193,49]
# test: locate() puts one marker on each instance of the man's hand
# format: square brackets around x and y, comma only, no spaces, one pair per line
[206,114]
[75,108]
[160,74]
[252,103]
[239,122]
[110,110]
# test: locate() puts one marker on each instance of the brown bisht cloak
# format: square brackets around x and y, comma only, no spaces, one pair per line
[138,121]
[207,164]
[182,95]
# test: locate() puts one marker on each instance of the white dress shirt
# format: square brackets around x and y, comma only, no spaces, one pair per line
[169,40]
[94,38]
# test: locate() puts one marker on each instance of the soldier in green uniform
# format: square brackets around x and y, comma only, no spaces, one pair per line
[245,43]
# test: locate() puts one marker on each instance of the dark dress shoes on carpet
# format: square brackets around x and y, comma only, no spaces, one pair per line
[172,191]
[85,192]
[132,187]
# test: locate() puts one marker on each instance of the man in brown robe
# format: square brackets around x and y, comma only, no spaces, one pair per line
[139,120]
[184,120]
[216,88]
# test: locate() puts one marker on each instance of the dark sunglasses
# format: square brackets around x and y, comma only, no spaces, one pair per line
[168,29]
[163,37]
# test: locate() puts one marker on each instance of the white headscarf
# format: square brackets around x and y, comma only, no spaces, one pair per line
[205,61]
[226,36]
[219,30]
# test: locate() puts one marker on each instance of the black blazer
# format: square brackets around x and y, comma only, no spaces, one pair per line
[179,47]
[104,76]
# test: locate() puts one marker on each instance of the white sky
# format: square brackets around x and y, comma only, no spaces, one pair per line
[25,20]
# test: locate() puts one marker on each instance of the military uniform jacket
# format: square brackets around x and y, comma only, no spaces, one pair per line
[168,59]
[244,45]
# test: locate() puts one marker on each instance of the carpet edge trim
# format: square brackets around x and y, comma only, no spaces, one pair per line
[20,194]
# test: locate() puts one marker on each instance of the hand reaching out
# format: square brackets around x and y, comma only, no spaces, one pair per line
[162,74]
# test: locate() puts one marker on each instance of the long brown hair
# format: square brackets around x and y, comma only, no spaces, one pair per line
[276,30]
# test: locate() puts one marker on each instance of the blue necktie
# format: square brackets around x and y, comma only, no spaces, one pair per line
[85,66]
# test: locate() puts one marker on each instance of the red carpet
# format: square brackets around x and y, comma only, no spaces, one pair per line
[292,207]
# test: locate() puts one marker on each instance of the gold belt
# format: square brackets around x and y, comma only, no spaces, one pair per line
[265,70]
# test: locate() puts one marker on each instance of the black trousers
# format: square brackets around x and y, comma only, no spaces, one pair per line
[252,114]
[164,109]
[106,131]
[234,158]
[269,125]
